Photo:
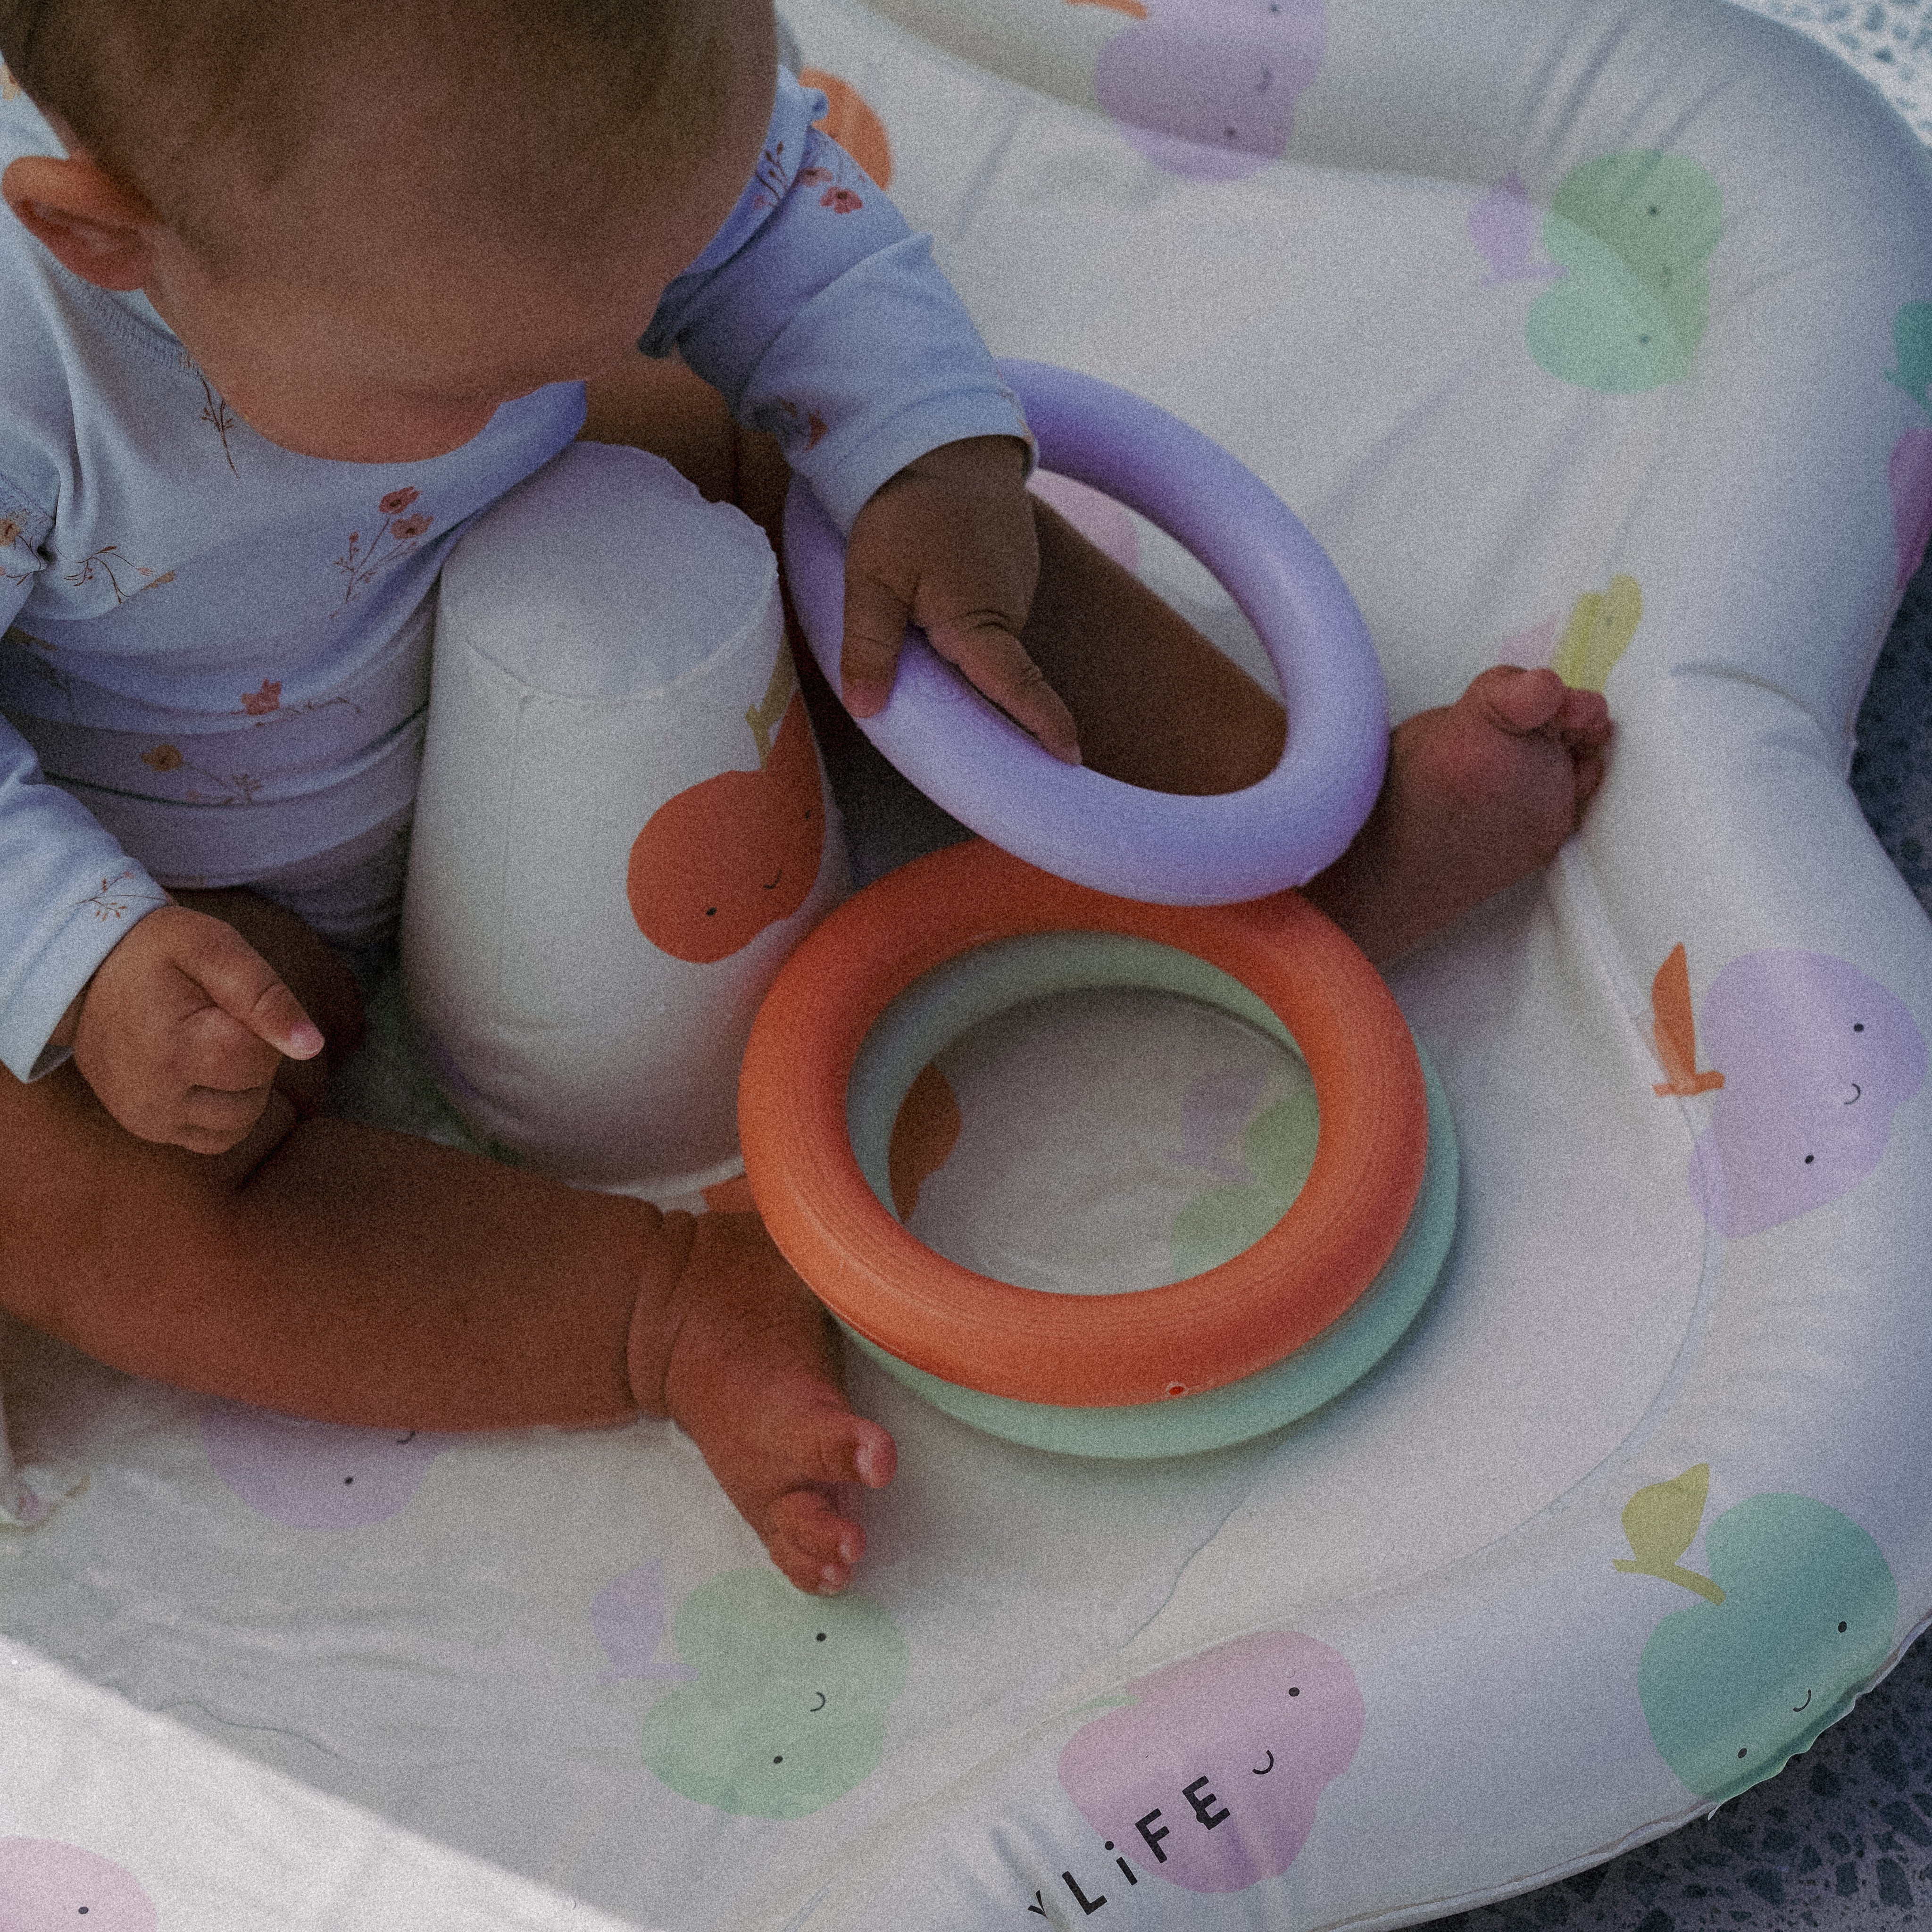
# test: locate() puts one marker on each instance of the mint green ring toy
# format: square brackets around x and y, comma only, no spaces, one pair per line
[936,1009]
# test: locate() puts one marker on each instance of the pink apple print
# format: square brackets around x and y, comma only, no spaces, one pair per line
[628,1615]
[1210,1777]
[316,1475]
[1105,523]
[1503,226]
[48,1886]
[1206,88]
[1816,1057]
[1911,477]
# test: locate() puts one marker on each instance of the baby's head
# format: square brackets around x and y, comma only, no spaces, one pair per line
[370,227]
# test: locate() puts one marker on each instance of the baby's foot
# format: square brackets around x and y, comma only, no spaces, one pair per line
[1479,793]
[753,1379]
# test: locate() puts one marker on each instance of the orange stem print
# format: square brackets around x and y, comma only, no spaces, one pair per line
[1133,10]
[849,120]
[1674,1030]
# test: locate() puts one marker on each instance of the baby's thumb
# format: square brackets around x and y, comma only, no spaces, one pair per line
[244,986]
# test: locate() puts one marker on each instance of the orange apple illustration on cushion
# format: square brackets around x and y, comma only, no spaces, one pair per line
[727,857]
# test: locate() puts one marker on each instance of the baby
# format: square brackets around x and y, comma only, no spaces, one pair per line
[299,274]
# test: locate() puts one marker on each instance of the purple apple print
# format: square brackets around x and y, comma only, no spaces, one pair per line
[1210,1777]
[1503,226]
[1911,477]
[316,1475]
[47,1886]
[1206,88]
[628,1615]
[1816,1056]
[1213,1111]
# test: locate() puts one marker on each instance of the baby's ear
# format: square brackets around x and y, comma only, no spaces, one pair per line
[99,229]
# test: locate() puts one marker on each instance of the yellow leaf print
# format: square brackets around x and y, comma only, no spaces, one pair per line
[1661,1522]
[1601,627]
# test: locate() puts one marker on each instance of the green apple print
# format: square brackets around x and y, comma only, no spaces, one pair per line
[788,1709]
[1632,233]
[1278,1149]
[1912,344]
[1798,1612]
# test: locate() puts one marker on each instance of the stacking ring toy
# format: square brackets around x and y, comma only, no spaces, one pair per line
[1075,1351]
[1315,1374]
[962,751]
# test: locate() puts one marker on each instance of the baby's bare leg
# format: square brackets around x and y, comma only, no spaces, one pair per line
[330,1270]
[1479,793]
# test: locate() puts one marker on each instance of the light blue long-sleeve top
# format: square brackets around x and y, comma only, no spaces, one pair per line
[215,660]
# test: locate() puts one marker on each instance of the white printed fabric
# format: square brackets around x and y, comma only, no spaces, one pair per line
[1594,334]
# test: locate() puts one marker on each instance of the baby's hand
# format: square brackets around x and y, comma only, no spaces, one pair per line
[182,1030]
[948,543]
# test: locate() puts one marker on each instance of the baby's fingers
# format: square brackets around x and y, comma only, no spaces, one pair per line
[213,1121]
[995,662]
[245,987]
[875,623]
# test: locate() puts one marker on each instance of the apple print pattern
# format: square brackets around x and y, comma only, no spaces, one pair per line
[1107,525]
[1816,1057]
[1601,624]
[1206,88]
[787,1710]
[48,1886]
[628,1616]
[1909,469]
[1674,1031]
[1909,474]
[1209,1778]
[738,851]
[924,1132]
[1632,233]
[849,120]
[1277,1151]
[1503,227]
[316,1475]
[1799,1611]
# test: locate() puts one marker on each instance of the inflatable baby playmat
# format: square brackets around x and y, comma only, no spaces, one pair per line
[1580,1487]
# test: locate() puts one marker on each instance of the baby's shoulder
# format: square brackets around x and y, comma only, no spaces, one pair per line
[36,336]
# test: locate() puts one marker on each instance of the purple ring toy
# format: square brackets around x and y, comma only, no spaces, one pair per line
[962,751]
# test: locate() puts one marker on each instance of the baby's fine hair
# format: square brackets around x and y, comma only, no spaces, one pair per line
[577,103]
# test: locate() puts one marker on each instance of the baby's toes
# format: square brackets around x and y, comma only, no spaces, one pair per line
[1583,720]
[815,1547]
[821,1440]
[1521,701]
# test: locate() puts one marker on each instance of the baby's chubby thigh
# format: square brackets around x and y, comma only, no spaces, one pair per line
[622,827]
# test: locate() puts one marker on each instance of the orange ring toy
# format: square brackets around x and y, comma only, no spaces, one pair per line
[1080,1350]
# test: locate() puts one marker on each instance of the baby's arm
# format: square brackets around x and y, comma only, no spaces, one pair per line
[177,1023]
[822,318]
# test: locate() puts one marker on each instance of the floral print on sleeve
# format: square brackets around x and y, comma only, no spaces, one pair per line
[265,707]
[200,786]
[13,537]
[360,563]
[215,410]
[116,895]
[108,562]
